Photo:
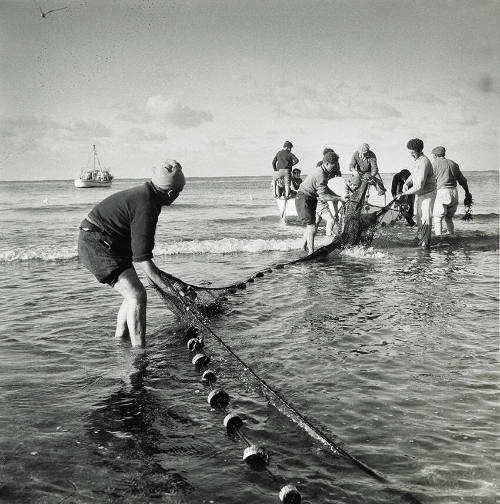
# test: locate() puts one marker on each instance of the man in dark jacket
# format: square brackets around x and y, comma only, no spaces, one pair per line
[282,167]
[118,234]
[405,203]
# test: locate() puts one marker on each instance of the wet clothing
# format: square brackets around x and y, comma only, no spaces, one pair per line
[423,185]
[120,230]
[447,174]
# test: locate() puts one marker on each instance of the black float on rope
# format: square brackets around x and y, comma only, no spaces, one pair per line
[218,399]
[200,359]
[290,495]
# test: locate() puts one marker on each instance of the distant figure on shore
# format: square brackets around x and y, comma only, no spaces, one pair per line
[119,233]
[447,174]
[422,184]
[315,187]
[364,167]
[283,163]
[295,181]
[323,210]
[406,203]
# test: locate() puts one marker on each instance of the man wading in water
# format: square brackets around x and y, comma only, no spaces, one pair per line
[315,187]
[119,233]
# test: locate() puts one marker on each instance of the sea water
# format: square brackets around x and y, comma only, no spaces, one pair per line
[391,350]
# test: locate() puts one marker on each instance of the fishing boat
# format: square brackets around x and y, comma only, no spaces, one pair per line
[95,177]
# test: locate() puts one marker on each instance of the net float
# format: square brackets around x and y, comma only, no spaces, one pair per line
[218,398]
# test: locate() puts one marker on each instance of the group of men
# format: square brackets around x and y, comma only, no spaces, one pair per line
[118,233]
[430,191]
[434,187]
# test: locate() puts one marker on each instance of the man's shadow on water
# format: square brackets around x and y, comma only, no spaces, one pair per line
[126,432]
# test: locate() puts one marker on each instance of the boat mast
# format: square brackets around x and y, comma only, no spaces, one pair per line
[97,157]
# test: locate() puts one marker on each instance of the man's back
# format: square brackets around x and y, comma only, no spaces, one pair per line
[284,159]
[447,173]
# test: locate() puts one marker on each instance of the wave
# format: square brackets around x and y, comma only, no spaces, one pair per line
[56,253]
[52,253]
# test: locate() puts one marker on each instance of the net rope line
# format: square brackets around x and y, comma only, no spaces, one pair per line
[185,305]
[199,320]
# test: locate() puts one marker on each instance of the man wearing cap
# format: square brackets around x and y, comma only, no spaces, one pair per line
[282,166]
[315,187]
[364,167]
[447,174]
[422,184]
[326,210]
[119,233]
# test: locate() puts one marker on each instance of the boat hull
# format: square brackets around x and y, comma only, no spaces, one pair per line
[80,183]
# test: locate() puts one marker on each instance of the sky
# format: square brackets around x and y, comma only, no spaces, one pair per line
[219,85]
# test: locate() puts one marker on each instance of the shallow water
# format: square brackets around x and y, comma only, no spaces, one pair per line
[392,351]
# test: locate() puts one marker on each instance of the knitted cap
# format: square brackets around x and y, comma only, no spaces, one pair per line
[169,176]
[439,151]
[363,148]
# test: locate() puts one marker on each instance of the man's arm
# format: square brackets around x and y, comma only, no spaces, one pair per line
[353,165]
[373,165]
[295,159]
[462,180]
[274,162]
[153,273]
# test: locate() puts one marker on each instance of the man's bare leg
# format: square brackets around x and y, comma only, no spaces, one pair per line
[121,322]
[134,293]
[310,233]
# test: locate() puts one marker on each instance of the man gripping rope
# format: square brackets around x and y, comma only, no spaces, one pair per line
[119,233]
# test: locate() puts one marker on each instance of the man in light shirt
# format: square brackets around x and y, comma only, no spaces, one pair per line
[422,184]
[315,187]
[447,174]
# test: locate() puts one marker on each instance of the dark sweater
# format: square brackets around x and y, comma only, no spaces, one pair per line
[129,218]
[284,159]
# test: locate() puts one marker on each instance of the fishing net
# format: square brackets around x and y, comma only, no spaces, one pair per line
[468,207]
[359,222]
[195,304]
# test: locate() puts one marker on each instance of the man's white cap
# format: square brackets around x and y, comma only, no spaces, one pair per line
[169,176]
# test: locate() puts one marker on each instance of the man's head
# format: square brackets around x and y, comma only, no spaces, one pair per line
[288,145]
[327,149]
[415,146]
[169,180]
[404,173]
[295,172]
[330,161]
[439,151]
[363,148]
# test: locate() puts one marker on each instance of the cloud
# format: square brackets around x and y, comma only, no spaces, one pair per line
[165,110]
[29,132]
[423,97]
[340,102]
[487,85]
